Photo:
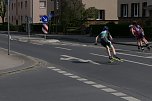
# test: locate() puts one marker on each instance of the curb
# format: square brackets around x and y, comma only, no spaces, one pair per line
[124,44]
[29,63]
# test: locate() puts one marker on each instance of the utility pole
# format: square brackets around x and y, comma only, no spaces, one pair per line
[8,21]
[56,10]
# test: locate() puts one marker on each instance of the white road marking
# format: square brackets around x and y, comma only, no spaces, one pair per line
[134,51]
[56,69]
[130,99]
[108,90]
[64,48]
[74,76]
[51,67]
[68,74]
[119,94]
[89,82]
[139,63]
[98,86]
[68,58]
[150,57]
[35,43]
[131,55]
[61,71]
[82,79]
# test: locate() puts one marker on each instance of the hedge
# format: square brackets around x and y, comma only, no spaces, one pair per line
[118,30]
[4,27]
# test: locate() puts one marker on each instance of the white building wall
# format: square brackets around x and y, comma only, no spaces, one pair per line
[149,2]
[129,2]
[37,11]
[32,10]
[110,7]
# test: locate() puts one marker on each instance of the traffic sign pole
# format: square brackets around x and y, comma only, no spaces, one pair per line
[8,21]
[44,20]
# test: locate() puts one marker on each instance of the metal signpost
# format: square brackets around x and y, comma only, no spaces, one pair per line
[50,15]
[45,20]
[29,20]
[8,27]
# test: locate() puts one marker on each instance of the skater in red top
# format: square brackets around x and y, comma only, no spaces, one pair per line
[138,32]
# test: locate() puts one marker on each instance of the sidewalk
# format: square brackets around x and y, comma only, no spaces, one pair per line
[74,38]
[14,62]
[88,39]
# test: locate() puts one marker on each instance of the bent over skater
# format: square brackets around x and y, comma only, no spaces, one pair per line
[105,40]
[138,32]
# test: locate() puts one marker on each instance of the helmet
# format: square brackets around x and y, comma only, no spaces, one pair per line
[105,28]
[130,26]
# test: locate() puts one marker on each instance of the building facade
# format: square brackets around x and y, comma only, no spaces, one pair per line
[34,9]
[107,8]
[21,10]
[134,8]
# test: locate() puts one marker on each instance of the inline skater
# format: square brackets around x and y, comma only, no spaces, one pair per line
[138,32]
[105,40]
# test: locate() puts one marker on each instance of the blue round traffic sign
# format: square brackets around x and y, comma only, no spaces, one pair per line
[44,19]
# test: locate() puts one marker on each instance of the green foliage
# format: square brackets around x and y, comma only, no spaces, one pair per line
[4,27]
[119,30]
[148,32]
[91,13]
[116,30]
[71,12]
[2,9]
[74,14]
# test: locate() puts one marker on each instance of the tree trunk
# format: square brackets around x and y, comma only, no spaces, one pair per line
[3,19]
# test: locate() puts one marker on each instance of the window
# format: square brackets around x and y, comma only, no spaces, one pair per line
[135,9]
[41,17]
[16,22]
[101,15]
[18,4]
[144,5]
[21,19]
[124,10]
[25,4]
[57,4]
[21,5]
[150,13]
[12,18]
[42,4]
[12,6]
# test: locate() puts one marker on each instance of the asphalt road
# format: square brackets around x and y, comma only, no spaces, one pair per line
[79,72]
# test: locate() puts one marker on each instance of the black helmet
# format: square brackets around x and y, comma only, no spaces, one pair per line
[105,28]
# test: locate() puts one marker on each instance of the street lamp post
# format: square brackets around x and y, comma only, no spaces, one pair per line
[8,21]
[56,9]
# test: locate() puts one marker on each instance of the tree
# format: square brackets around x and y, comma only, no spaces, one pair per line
[73,13]
[91,13]
[2,9]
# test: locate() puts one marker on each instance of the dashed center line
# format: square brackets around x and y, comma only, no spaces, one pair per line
[64,48]
[96,85]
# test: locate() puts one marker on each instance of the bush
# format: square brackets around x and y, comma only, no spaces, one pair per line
[148,32]
[4,27]
[116,30]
